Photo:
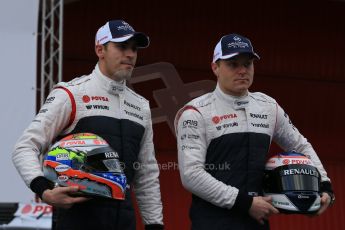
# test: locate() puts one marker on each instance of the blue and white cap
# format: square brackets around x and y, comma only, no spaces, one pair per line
[120,31]
[232,45]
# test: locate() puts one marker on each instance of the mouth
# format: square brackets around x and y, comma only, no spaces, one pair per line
[128,64]
[242,79]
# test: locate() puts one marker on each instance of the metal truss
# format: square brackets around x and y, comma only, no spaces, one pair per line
[51,45]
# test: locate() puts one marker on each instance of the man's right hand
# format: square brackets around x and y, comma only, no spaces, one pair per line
[62,197]
[262,209]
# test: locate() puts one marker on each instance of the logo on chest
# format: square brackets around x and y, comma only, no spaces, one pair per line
[217,119]
[100,99]
[87,99]
[258,116]
[131,114]
[128,104]
[101,107]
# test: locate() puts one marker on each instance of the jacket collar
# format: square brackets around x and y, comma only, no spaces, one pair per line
[235,102]
[111,86]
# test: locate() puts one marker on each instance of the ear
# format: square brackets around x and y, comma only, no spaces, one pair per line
[99,50]
[215,68]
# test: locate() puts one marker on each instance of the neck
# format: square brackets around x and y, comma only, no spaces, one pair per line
[109,75]
[232,93]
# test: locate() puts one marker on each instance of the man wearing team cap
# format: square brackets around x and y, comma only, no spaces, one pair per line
[223,141]
[102,104]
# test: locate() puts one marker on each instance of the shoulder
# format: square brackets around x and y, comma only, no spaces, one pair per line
[262,98]
[132,97]
[195,108]
[203,101]
[74,84]
[64,90]
[136,97]
[198,104]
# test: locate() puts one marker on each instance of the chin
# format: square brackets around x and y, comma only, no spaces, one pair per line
[123,75]
[243,87]
[242,91]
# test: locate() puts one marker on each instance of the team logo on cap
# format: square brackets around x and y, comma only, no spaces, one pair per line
[125,26]
[238,44]
[237,38]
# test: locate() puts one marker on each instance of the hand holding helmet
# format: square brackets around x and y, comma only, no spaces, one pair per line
[63,197]
[262,209]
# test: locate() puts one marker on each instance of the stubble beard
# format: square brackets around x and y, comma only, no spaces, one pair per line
[121,75]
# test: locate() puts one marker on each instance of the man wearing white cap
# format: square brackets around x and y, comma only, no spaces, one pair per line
[223,141]
[102,104]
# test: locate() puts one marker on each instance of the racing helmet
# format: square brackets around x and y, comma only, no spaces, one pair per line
[87,161]
[293,182]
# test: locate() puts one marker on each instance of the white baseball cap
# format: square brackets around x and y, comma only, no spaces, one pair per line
[120,31]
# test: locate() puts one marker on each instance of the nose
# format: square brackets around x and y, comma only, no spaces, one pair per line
[131,53]
[242,69]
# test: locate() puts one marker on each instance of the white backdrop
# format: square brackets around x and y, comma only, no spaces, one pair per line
[18,41]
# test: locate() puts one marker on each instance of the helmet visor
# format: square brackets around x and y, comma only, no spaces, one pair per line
[293,178]
[103,159]
[299,182]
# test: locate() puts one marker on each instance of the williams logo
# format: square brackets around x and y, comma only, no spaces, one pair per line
[103,107]
[229,125]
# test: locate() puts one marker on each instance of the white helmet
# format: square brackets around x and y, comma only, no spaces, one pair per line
[293,182]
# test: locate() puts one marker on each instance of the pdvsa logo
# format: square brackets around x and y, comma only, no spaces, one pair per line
[217,119]
[35,210]
[74,142]
[87,99]
[26,209]
[99,98]
[301,161]
[286,161]
[99,142]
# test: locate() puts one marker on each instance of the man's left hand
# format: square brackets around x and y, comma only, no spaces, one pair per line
[325,202]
